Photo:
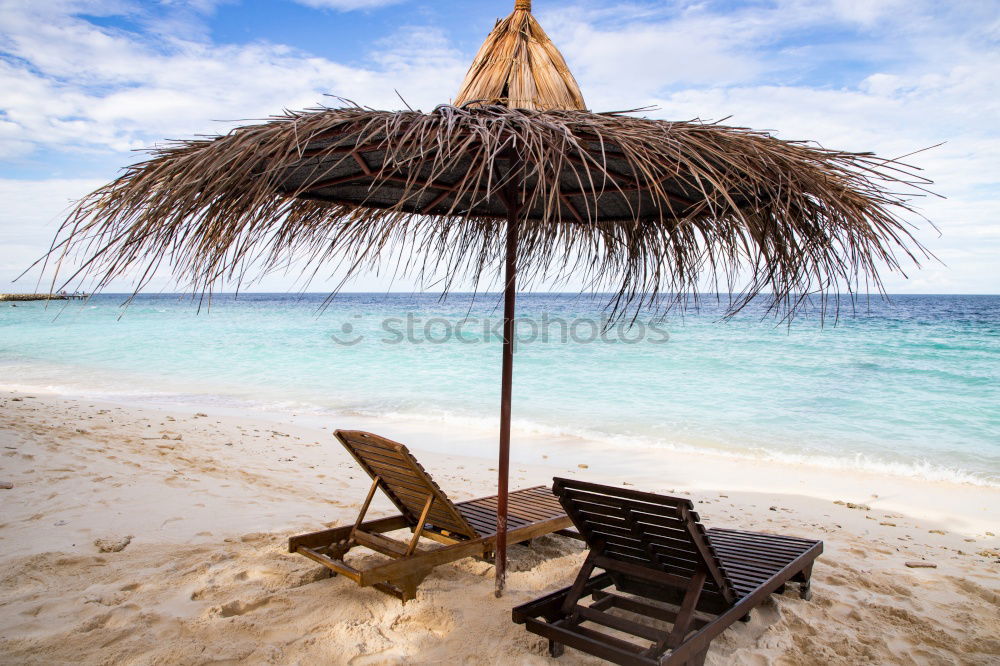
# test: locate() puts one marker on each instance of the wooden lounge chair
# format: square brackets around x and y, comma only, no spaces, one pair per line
[465,529]
[664,566]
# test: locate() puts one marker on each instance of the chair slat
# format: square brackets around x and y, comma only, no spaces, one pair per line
[648,519]
[404,480]
[481,512]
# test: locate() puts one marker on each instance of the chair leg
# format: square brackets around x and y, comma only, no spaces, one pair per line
[805,586]
[409,585]
[556,650]
[337,551]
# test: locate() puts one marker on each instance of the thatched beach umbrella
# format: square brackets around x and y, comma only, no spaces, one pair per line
[516,177]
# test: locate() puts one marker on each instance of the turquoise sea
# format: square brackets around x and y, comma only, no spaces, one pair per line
[910,387]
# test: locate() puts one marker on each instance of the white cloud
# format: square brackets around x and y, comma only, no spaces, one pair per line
[71,82]
[862,13]
[925,78]
[347,5]
[866,12]
[894,115]
[30,214]
[70,85]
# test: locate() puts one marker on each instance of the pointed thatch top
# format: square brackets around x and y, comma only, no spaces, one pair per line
[519,66]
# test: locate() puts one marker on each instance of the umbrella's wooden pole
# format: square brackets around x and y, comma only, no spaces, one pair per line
[506,384]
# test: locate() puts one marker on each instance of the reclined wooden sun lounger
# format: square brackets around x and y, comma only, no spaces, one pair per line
[653,549]
[466,529]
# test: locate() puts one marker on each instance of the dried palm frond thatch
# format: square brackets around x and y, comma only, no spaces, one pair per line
[642,206]
[518,66]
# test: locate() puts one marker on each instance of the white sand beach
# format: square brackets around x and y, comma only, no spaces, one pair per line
[204,502]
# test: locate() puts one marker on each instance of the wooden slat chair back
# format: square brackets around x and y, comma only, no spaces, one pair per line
[634,531]
[404,481]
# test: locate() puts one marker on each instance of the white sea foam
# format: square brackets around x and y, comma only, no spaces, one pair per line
[536,432]
[919,469]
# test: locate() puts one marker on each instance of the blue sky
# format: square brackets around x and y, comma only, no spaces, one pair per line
[84,83]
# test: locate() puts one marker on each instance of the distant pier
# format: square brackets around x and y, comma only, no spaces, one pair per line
[62,296]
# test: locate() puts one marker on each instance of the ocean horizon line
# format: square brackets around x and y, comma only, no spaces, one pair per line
[700,295]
